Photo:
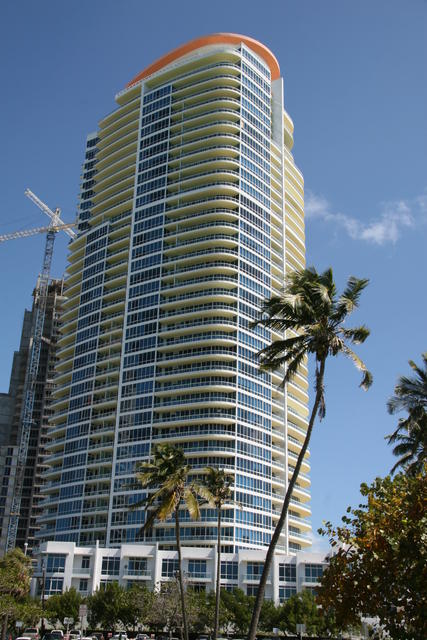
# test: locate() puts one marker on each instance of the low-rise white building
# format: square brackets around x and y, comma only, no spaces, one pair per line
[65,565]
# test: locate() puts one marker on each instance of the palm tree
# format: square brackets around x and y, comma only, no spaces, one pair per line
[310,308]
[410,437]
[216,489]
[167,476]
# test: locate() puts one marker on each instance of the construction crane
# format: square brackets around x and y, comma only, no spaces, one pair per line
[40,297]
[33,232]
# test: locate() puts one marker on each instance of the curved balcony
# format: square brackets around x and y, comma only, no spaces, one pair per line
[176,237]
[182,371]
[198,284]
[202,179]
[205,94]
[215,338]
[205,142]
[214,383]
[221,240]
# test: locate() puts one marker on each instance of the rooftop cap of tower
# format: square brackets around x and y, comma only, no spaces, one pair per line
[204,41]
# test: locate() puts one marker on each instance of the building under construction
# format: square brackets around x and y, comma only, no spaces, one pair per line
[11,412]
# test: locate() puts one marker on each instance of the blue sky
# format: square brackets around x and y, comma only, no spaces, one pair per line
[355,86]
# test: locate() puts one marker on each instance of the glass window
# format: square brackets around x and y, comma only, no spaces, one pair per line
[313,572]
[85,562]
[55,564]
[229,570]
[286,592]
[110,566]
[53,585]
[197,568]
[83,585]
[169,568]
[254,569]
[137,567]
[287,572]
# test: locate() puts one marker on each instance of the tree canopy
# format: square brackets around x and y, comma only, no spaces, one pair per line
[63,605]
[15,577]
[409,439]
[380,567]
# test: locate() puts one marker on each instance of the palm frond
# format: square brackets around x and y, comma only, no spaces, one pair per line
[204,492]
[192,503]
[357,335]
[349,300]
[367,378]
[293,367]
[167,507]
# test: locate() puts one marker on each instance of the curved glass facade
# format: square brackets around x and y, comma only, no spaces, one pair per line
[191,213]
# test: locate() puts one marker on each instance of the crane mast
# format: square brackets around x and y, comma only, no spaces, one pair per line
[26,420]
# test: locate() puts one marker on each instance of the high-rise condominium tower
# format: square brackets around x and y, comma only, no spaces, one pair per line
[11,410]
[191,213]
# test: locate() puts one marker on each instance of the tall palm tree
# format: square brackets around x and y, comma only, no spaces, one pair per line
[410,437]
[216,489]
[310,308]
[167,476]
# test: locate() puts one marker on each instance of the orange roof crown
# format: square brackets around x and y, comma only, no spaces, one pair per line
[216,38]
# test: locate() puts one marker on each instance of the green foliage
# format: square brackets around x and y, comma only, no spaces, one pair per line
[15,577]
[139,602]
[114,606]
[301,608]
[167,476]
[309,306]
[410,437]
[380,569]
[217,487]
[269,617]
[238,609]
[63,605]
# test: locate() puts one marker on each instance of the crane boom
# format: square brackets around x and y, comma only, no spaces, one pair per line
[33,232]
[53,215]
[35,345]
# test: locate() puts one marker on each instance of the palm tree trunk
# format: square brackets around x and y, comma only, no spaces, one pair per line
[278,530]
[218,577]
[4,626]
[181,582]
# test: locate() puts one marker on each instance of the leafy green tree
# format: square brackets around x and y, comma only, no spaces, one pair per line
[301,608]
[380,568]
[238,607]
[167,478]
[139,601]
[204,608]
[269,617]
[15,577]
[410,437]
[109,607]
[217,490]
[310,310]
[29,611]
[63,605]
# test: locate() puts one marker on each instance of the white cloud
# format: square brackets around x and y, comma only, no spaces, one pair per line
[387,227]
